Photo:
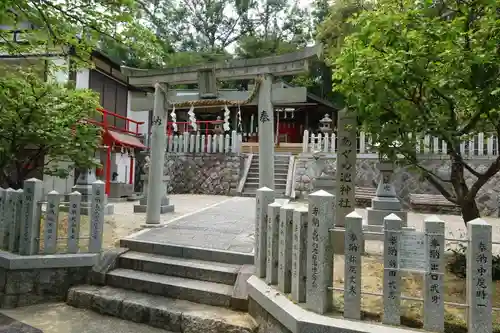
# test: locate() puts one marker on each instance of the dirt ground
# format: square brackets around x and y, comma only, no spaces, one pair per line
[412,286]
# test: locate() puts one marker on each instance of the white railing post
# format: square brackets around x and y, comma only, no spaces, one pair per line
[227,148]
[489,145]
[234,142]
[208,148]
[192,143]
[362,142]
[305,141]
[480,144]
[333,145]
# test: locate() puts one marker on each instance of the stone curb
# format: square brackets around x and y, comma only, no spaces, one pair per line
[299,320]
[13,261]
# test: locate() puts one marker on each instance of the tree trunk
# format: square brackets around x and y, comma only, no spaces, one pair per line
[469,210]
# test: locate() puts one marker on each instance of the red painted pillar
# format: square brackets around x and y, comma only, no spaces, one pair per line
[108,169]
[131,175]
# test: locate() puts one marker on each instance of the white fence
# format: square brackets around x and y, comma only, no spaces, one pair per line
[26,230]
[201,143]
[481,145]
[294,251]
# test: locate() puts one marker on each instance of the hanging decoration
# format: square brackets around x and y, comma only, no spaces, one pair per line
[240,129]
[227,115]
[286,114]
[174,119]
[192,118]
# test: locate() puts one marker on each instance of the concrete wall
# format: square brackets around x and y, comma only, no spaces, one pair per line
[406,181]
[203,173]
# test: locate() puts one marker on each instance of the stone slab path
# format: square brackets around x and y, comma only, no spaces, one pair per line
[229,225]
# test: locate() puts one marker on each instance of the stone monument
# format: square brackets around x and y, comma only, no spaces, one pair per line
[84,187]
[385,201]
[165,206]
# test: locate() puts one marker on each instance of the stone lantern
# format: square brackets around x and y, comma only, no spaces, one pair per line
[218,126]
[326,124]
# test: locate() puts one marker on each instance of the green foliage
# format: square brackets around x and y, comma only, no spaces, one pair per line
[62,26]
[458,262]
[39,119]
[422,68]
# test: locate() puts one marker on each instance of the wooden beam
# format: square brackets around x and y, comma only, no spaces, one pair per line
[280,96]
[240,69]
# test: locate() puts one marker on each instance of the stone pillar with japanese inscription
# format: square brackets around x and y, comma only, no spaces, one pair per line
[156,187]
[352,265]
[434,276]
[273,222]
[285,249]
[385,201]
[345,174]
[479,276]
[319,281]
[264,197]
[392,278]
[299,254]
[266,133]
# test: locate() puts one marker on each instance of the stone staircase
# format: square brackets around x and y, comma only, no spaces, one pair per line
[281,163]
[179,289]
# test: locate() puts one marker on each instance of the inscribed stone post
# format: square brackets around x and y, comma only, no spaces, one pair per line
[346,165]
[75,199]
[97,217]
[479,277]
[264,197]
[434,283]
[299,254]
[9,215]
[266,133]
[392,278]
[285,248]
[30,227]
[3,226]
[352,265]
[158,137]
[51,223]
[273,222]
[345,174]
[319,298]
[15,227]
[3,213]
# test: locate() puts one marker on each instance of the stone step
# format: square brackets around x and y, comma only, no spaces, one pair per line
[172,315]
[252,193]
[180,267]
[255,179]
[255,185]
[187,252]
[202,292]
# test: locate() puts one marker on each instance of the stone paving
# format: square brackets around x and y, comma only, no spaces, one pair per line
[62,318]
[229,225]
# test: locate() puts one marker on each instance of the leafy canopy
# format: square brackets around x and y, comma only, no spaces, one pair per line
[414,68]
[38,119]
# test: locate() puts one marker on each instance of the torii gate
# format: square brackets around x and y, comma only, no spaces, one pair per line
[261,69]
